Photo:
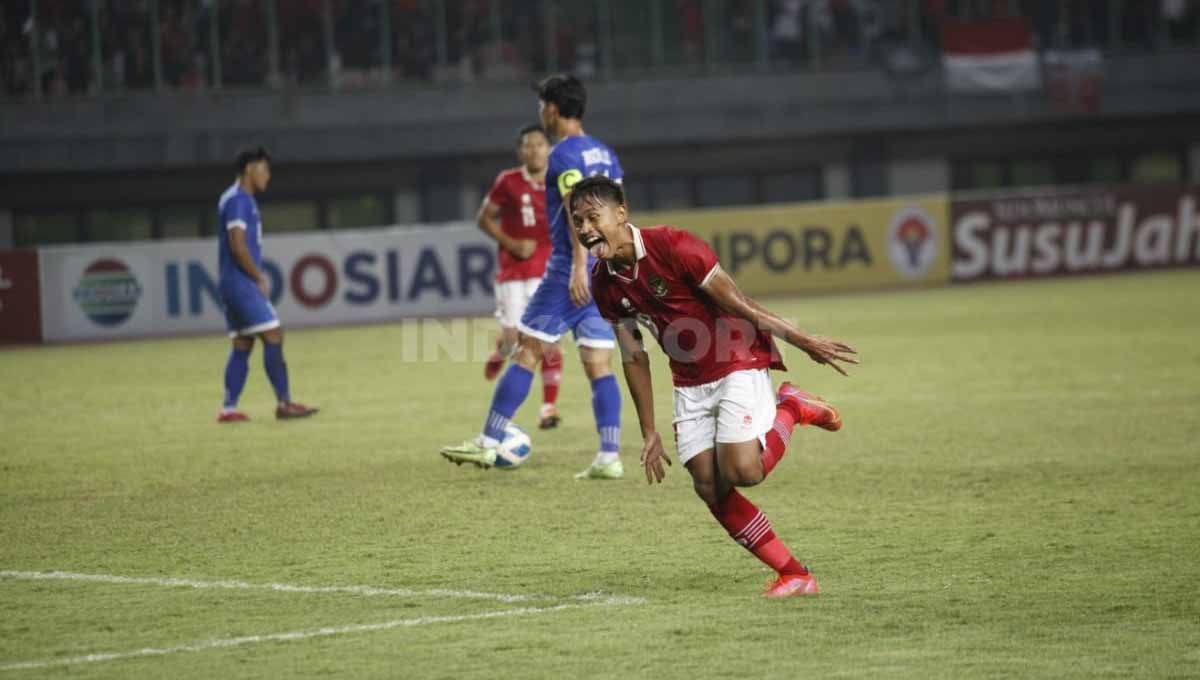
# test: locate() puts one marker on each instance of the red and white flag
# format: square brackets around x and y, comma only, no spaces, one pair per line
[996,55]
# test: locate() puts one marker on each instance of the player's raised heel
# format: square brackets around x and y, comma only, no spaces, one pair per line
[293,410]
[792,585]
[813,409]
[470,452]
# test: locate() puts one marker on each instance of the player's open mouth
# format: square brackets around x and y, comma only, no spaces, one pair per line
[595,244]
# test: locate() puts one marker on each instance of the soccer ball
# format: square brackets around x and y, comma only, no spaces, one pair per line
[514,448]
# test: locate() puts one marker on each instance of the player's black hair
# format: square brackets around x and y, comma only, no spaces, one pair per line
[532,127]
[566,92]
[597,187]
[251,154]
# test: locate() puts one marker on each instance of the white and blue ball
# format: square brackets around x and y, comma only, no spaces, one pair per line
[514,448]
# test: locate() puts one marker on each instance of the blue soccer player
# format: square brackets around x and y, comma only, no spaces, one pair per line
[563,300]
[245,289]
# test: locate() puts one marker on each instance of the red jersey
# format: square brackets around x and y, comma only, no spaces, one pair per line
[663,291]
[522,204]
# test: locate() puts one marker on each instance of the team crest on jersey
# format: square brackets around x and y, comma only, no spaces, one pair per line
[657,286]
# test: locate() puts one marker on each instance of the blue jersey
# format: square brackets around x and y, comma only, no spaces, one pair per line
[237,210]
[571,160]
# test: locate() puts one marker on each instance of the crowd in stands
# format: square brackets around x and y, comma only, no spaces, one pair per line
[513,39]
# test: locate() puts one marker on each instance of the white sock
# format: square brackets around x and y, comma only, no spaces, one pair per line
[486,441]
[605,457]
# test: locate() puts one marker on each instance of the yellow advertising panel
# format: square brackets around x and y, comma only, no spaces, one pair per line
[824,247]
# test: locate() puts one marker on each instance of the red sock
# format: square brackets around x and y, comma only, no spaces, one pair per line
[752,530]
[778,436]
[551,374]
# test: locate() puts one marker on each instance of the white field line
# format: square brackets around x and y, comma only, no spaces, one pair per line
[366,591]
[301,635]
[574,602]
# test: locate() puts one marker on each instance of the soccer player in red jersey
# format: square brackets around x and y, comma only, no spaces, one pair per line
[731,427]
[514,214]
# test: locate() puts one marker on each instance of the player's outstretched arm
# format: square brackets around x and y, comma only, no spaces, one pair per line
[636,363]
[725,292]
[488,219]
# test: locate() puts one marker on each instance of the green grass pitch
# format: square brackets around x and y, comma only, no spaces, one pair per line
[1014,494]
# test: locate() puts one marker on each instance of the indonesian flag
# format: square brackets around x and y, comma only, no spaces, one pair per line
[990,56]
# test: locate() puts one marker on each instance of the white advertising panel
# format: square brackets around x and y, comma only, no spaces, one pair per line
[115,290]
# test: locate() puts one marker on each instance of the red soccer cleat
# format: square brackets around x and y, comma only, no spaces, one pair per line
[232,417]
[293,410]
[548,417]
[813,410]
[492,368]
[791,585]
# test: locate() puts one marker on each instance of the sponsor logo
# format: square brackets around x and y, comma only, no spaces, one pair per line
[1067,233]
[783,250]
[912,242]
[657,286]
[359,278]
[108,292]
[824,247]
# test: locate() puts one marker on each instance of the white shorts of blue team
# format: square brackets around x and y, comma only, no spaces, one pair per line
[247,310]
[550,313]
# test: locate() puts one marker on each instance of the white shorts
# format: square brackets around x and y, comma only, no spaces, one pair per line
[511,299]
[737,408]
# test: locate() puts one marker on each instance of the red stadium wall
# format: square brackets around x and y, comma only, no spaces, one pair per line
[20,298]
